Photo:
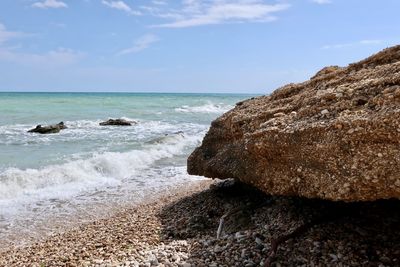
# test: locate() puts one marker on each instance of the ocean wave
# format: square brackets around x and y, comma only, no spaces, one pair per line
[99,170]
[206,108]
[90,130]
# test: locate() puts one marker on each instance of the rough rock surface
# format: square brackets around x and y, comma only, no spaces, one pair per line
[117,122]
[55,128]
[336,136]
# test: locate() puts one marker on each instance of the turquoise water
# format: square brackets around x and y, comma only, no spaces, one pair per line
[45,178]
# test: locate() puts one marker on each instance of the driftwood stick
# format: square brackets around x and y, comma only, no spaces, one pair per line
[334,214]
[283,238]
[235,210]
[222,219]
[220,226]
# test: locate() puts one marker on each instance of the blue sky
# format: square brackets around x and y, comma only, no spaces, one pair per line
[238,46]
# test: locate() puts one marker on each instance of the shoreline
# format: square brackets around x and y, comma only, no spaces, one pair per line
[43,227]
[179,229]
[17,255]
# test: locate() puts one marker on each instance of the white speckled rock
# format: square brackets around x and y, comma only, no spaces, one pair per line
[336,136]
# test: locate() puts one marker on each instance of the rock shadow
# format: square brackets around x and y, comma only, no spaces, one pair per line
[341,234]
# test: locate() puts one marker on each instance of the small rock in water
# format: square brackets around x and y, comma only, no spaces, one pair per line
[55,128]
[117,122]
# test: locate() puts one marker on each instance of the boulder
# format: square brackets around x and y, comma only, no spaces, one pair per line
[49,129]
[335,137]
[117,122]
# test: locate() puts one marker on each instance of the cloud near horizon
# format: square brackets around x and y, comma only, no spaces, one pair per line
[140,44]
[6,35]
[50,4]
[359,43]
[54,58]
[322,2]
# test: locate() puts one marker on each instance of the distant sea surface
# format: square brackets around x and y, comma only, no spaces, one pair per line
[84,172]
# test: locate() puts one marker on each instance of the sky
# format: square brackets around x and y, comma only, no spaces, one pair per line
[218,46]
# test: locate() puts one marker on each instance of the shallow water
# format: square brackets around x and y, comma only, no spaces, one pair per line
[88,170]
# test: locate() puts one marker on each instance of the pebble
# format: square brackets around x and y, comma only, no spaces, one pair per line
[243,254]
[218,249]
[99,261]
[324,112]
[334,257]
[239,236]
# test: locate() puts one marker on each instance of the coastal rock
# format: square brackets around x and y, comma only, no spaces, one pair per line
[55,128]
[335,137]
[117,122]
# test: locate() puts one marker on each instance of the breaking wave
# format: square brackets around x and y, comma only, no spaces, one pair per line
[99,170]
[207,108]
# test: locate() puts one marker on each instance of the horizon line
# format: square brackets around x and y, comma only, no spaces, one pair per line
[130,92]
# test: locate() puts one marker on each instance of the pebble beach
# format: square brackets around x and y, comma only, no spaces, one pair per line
[180,229]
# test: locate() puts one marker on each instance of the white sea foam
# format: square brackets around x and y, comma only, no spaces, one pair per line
[91,131]
[206,108]
[101,169]
[34,220]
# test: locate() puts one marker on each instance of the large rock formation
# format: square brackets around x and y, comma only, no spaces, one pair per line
[336,136]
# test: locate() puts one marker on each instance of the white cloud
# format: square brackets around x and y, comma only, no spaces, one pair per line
[120,5]
[6,35]
[140,44]
[371,42]
[55,58]
[354,44]
[196,12]
[159,2]
[50,4]
[322,2]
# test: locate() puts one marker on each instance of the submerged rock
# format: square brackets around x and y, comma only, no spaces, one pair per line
[117,122]
[167,137]
[336,136]
[55,128]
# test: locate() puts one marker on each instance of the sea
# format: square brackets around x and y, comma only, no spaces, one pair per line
[51,182]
